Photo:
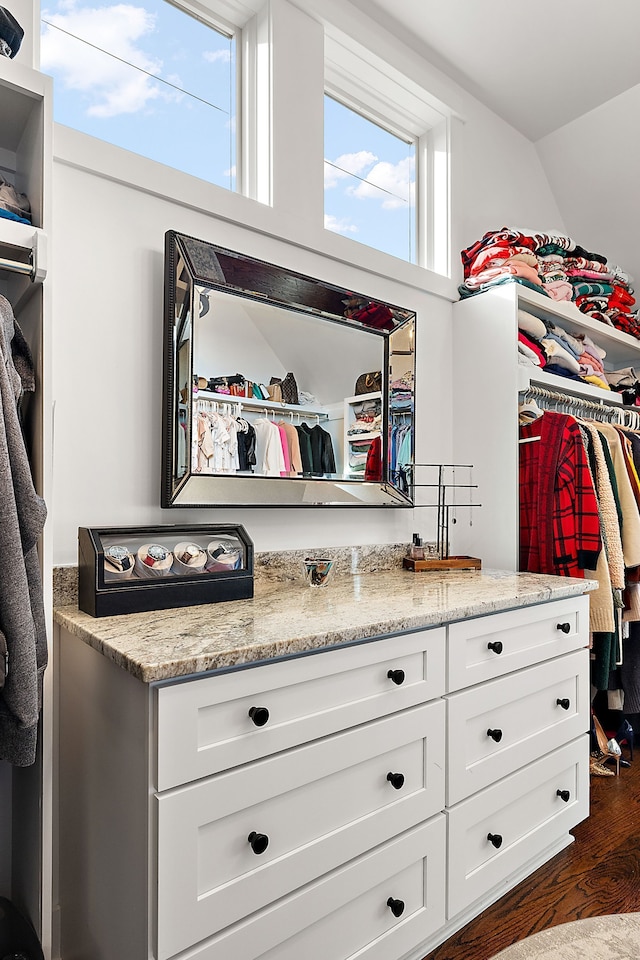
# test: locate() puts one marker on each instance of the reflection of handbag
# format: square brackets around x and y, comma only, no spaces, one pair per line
[369,383]
[275,391]
[288,387]
[224,384]
[260,392]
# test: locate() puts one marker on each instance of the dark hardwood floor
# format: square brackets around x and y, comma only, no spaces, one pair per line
[598,874]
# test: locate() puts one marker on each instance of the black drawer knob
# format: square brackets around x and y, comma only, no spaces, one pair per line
[259,715]
[564,795]
[495,645]
[396,906]
[565,627]
[396,780]
[563,702]
[397,676]
[259,841]
[495,735]
[495,839]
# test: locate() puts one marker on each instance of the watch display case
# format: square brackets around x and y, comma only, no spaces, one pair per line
[132,569]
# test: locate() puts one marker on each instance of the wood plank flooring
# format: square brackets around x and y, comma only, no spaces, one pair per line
[596,875]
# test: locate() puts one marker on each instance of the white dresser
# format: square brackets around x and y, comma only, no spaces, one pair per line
[364,800]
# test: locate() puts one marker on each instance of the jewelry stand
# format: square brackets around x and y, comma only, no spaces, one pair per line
[442,560]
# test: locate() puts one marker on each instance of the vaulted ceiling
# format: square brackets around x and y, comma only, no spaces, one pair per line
[567,75]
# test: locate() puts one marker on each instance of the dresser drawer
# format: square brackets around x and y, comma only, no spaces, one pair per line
[499,726]
[345,915]
[204,725]
[487,647]
[311,809]
[524,814]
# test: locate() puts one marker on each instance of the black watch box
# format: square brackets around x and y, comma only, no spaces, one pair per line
[133,569]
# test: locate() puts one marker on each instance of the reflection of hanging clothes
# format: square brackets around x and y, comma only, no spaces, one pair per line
[293,444]
[304,439]
[217,444]
[285,450]
[400,452]
[246,446]
[269,453]
[322,456]
[373,467]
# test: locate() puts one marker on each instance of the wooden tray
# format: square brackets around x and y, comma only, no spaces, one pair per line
[447,563]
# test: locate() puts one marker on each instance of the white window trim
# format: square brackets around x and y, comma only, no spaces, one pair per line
[368,85]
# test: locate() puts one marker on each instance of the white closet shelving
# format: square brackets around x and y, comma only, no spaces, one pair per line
[350,438]
[26,832]
[253,404]
[488,379]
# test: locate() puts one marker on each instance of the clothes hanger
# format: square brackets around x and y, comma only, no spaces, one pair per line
[529,410]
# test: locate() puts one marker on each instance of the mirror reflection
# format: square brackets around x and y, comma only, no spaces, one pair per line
[280,389]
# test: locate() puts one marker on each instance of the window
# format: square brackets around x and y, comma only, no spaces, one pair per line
[147,76]
[369,181]
[387,156]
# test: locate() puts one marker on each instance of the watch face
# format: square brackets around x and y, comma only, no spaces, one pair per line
[157,553]
[118,557]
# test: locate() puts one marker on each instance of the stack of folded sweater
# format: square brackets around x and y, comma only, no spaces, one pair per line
[543,344]
[555,266]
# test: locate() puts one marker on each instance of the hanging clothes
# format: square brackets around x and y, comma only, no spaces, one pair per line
[269,454]
[293,443]
[23,642]
[246,438]
[559,522]
[610,456]
[321,448]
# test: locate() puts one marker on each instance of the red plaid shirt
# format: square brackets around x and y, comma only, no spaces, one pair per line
[559,523]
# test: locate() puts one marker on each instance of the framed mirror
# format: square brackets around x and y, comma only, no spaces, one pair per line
[279,389]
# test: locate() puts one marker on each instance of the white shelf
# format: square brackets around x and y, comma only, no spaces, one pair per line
[252,403]
[352,437]
[530,375]
[622,349]
[363,396]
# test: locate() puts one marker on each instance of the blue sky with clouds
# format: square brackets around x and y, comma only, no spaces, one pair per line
[369,179]
[170,100]
[146,77]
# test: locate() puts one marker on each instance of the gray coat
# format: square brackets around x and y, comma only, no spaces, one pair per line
[22,517]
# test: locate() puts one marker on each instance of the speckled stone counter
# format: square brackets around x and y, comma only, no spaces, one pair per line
[288,617]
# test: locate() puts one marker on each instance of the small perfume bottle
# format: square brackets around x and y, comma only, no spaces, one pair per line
[416,551]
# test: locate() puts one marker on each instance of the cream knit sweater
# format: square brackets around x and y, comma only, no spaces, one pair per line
[630,514]
[609,570]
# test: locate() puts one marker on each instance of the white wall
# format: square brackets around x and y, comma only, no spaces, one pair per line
[107,272]
[592,167]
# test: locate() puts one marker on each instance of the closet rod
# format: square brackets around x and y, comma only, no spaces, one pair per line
[16,266]
[624,416]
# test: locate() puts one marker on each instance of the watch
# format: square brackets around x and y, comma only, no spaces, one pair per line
[190,553]
[118,557]
[155,554]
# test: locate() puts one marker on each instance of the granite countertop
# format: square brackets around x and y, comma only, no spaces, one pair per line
[288,617]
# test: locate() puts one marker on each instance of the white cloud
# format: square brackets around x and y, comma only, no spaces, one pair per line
[349,163]
[111,87]
[217,56]
[338,225]
[395,178]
